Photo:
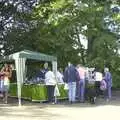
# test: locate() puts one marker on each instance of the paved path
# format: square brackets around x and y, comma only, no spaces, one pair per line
[62,111]
[37,111]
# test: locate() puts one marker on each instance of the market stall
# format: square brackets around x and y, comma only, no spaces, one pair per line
[20,61]
[36,92]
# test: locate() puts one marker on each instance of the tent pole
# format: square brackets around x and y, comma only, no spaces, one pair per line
[17,64]
[54,68]
[19,101]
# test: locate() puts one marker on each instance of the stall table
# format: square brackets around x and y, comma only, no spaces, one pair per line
[36,92]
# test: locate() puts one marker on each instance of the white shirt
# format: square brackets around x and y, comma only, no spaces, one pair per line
[98,76]
[50,78]
[59,77]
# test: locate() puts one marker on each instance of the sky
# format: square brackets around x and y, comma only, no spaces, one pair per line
[84,41]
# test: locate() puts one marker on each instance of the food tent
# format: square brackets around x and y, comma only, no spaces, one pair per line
[20,60]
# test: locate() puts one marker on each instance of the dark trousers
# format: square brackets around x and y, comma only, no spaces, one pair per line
[50,92]
[86,89]
[107,93]
[97,87]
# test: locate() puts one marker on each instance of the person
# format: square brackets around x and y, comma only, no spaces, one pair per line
[70,78]
[44,70]
[82,73]
[108,80]
[1,84]
[60,76]
[98,78]
[7,72]
[50,82]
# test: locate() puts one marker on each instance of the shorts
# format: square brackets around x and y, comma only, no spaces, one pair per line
[6,88]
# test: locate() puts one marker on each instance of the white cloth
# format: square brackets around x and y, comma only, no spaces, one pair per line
[66,86]
[6,81]
[60,77]
[56,91]
[50,78]
[98,76]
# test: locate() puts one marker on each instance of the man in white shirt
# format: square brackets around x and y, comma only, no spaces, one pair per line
[98,78]
[50,82]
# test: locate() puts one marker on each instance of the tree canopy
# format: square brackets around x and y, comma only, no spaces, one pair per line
[55,27]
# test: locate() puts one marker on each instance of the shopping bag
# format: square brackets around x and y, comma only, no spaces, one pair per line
[103,85]
[66,86]
[56,91]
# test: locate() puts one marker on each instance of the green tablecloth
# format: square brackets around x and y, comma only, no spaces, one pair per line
[36,92]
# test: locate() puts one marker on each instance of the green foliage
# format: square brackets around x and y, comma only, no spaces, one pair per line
[54,27]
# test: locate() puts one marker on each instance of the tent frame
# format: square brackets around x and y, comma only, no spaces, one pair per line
[20,62]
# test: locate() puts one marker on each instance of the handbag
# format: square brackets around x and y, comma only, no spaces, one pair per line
[103,85]
[56,91]
[66,86]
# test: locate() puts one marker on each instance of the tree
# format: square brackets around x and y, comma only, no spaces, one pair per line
[54,27]
[14,16]
[61,23]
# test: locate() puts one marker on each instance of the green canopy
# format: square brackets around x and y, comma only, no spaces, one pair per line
[32,55]
[20,60]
